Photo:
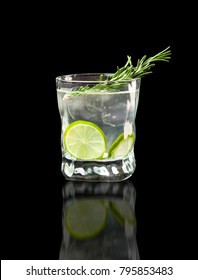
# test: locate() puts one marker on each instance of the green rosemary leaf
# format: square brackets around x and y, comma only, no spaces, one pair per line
[127,72]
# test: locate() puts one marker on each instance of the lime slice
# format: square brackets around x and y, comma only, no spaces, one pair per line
[86,218]
[121,147]
[84,140]
[122,211]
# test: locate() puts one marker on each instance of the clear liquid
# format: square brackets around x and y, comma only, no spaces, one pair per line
[115,114]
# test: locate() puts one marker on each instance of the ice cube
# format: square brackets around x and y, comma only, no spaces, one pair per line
[82,108]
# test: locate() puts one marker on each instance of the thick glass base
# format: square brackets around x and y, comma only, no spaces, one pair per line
[111,170]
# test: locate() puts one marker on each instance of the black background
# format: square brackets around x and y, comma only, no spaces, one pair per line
[43,44]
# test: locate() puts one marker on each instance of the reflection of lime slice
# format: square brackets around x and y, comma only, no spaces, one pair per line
[86,218]
[122,211]
[121,147]
[84,140]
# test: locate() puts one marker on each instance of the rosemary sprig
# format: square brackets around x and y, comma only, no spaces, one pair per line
[127,72]
[144,65]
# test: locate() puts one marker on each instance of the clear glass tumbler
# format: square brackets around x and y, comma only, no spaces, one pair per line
[97,126]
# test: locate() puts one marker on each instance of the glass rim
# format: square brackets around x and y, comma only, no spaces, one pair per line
[68,78]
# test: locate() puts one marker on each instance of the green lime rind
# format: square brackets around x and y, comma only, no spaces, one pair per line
[122,212]
[86,218]
[121,147]
[84,140]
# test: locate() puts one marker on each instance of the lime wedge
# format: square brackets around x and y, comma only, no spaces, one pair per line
[84,140]
[121,147]
[86,218]
[122,211]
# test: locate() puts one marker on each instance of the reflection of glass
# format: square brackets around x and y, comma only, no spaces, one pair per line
[98,127]
[99,221]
